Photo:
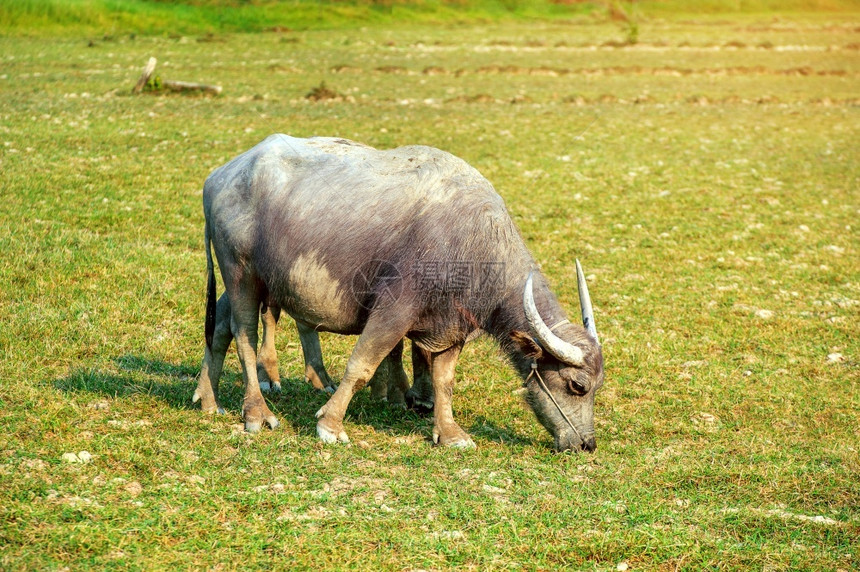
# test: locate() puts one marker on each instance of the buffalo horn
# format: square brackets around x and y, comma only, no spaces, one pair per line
[585,303]
[560,349]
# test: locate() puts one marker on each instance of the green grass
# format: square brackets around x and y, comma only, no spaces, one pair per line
[121,17]
[156,17]
[727,438]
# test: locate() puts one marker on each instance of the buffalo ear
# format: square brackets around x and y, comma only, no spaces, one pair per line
[527,344]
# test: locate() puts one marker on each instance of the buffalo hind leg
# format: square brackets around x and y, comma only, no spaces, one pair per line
[380,381]
[213,360]
[377,340]
[389,382]
[420,395]
[445,429]
[315,372]
[398,383]
[267,359]
[245,305]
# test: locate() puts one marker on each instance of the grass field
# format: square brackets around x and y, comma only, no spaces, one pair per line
[706,177]
[172,17]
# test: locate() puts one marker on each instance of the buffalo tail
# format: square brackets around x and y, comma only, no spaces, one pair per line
[210,291]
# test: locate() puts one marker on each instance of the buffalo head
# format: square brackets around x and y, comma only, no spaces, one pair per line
[565,372]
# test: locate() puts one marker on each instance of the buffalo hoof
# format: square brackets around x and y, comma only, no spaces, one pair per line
[328,435]
[217,410]
[256,426]
[420,407]
[256,416]
[417,404]
[457,443]
[462,444]
[378,391]
[273,387]
[330,430]
[320,380]
[457,439]
[207,403]
[268,377]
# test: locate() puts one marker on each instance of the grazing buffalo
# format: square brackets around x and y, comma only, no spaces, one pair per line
[410,242]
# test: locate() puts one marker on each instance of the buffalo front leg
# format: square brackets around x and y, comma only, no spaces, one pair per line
[213,360]
[375,342]
[267,358]
[315,372]
[445,429]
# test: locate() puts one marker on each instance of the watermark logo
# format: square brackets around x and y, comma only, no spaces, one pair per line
[474,284]
[377,285]
[458,276]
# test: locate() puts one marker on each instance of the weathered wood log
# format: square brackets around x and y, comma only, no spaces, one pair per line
[144,77]
[172,85]
[188,86]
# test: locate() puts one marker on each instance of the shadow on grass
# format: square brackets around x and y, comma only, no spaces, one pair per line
[296,404]
[487,429]
[364,410]
[174,384]
[156,367]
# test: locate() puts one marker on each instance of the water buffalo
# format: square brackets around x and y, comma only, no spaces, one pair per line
[409,242]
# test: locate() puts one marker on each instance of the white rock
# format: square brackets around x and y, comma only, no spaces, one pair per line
[133,488]
[764,314]
[493,490]
[835,358]
[70,458]
[84,457]
[450,535]
[622,566]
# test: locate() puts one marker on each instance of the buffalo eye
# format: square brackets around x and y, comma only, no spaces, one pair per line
[575,387]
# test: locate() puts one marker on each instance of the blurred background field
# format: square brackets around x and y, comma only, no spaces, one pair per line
[702,166]
[41,17]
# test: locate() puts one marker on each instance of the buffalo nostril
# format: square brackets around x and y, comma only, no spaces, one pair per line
[589,444]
